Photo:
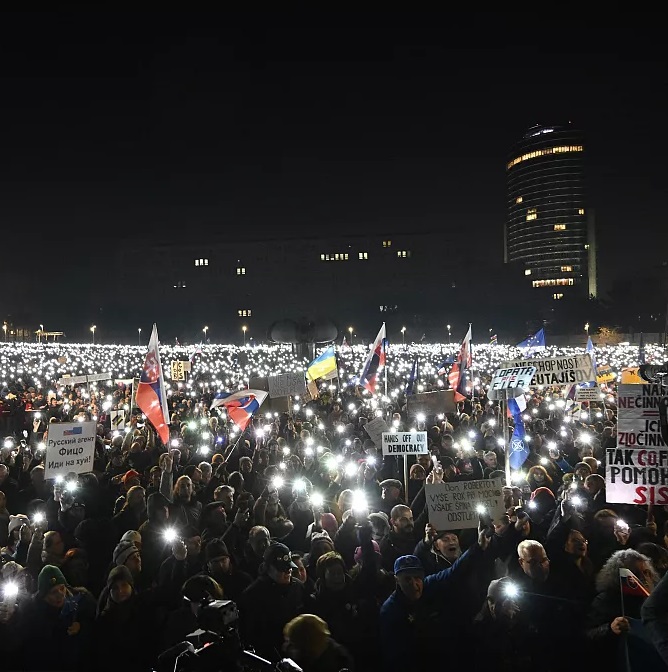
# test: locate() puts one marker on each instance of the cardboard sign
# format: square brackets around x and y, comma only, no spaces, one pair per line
[375,428]
[557,370]
[286,385]
[519,377]
[404,443]
[178,370]
[630,376]
[605,375]
[70,447]
[431,403]
[454,506]
[636,472]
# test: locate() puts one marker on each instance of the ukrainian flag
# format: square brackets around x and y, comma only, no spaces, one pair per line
[322,365]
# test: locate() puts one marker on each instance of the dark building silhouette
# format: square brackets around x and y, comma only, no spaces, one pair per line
[549,233]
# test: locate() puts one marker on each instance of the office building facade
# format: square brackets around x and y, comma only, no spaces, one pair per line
[550,233]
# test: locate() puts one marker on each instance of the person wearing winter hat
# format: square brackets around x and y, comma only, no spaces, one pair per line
[219,566]
[120,584]
[133,537]
[126,553]
[309,642]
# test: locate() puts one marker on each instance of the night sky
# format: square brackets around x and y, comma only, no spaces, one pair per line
[172,126]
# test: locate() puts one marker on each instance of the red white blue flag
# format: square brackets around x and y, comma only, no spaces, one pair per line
[459,372]
[151,397]
[374,362]
[631,584]
[240,405]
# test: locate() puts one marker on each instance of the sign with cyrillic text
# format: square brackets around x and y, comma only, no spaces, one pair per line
[70,447]
[458,505]
[404,443]
[636,472]
[557,370]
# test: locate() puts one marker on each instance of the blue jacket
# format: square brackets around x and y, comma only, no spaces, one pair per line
[408,631]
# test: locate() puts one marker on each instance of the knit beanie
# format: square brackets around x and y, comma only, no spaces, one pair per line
[216,548]
[48,578]
[358,551]
[121,573]
[16,521]
[132,536]
[123,551]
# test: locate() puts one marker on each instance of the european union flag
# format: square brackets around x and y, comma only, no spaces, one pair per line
[533,343]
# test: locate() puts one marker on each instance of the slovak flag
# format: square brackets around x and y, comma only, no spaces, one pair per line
[196,351]
[630,583]
[458,373]
[151,397]
[240,405]
[374,362]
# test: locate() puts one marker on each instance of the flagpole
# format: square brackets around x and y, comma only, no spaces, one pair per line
[504,429]
[386,345]
[625,640]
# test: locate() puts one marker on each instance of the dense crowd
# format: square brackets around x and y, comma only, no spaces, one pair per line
[313,535]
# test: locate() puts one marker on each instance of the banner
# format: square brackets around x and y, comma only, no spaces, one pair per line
[630,376]
[457,506]
[587,393]
[431,403]
[636,471]
[77,380]
[70,447]
[404,443]
[557,370]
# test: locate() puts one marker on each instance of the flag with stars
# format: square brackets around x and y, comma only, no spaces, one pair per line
[151,397]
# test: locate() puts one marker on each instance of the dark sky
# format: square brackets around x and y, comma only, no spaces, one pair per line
[187,125]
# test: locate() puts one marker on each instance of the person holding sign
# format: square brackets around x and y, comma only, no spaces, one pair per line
[412,618]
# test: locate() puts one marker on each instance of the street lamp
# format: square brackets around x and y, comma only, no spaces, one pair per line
[350,331]
[205,330]
[587,328]
[449,327]
[403,337]
[139,336]
[93,328]
[244,329]
[4,328]
[41,329]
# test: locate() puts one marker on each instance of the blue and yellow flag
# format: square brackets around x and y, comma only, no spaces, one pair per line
[322,365]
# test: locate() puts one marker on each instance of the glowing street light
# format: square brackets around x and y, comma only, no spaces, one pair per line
[350,331]
[4,328]
[244,329]
[41,331]
[403,337]
[205,330]
[587,328]
[449,333]
[139,336]
[93,328]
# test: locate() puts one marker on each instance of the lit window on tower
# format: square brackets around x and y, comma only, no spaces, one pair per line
[556,282]
[363,256]
[531,214]
[581,211]
[518,200]
[556,297]
[566,269]
[562,149]
[387,243]
[527,271]
[241,270]
[403,254]
[559,227]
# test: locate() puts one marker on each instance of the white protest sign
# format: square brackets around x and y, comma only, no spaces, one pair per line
[557,370]
[286,385]
[375,428]
[404,443]
[505,379]
[117,419]
[636,472]
[587,393]
[458,505]
[70,447]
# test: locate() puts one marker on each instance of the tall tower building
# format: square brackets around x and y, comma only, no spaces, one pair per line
[549,232]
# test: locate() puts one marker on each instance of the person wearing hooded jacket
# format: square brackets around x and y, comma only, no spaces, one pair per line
[155,548]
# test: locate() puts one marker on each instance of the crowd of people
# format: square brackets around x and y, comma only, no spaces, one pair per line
[327,556]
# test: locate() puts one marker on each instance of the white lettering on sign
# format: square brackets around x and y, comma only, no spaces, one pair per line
[404,443]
